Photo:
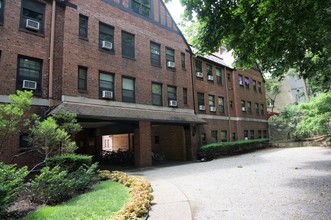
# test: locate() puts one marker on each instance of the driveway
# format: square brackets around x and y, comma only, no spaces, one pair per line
[291,183]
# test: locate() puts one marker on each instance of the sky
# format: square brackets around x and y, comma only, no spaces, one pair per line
[175,9]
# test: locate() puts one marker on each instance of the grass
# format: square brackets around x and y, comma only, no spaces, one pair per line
[101,203]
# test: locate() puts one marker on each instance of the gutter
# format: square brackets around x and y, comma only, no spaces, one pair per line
[51,58]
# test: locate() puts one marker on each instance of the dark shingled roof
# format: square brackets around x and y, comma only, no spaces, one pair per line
[127,114]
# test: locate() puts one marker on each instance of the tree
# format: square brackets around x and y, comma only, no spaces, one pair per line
[272,86]
[15,116]
[277,35]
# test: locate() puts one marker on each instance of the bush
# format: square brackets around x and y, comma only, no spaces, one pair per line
[69,162]
[228,148]
[83,176]
[11,180]
[141,192]
[104,174]
[51,186]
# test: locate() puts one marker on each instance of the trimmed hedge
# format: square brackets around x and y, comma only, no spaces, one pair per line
[231,148]
[69,162]
[141,192]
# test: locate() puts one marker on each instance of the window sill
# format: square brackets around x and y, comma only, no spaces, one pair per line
[129,58]
[83,38]
[155,65]
[107,51]
[82,91]
[171,69]
[32,32]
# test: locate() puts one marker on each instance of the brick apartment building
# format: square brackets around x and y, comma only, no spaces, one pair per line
[125,68]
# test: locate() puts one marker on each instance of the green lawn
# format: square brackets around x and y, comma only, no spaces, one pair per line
[105,199]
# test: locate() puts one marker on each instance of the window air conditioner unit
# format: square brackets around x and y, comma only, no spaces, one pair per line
[241,82]
[246,138]
[173,103]
[202,107]
[212,109]
[107,45]
[33,25]
[199,74]
[210,78]
[107,94]
[243,109]
[27,84]
[171,64]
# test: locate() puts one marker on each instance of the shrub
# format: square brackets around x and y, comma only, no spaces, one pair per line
[233,147]
[141,192]
[11,180]
[69,162]
[104,174]
[83,176]
[51,186]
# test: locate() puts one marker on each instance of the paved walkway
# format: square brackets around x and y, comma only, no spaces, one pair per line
[293,183]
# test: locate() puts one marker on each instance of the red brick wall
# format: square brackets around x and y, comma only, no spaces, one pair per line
[86,53]
[171,141]
[15,41]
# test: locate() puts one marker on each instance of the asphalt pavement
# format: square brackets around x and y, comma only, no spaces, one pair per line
[283,183]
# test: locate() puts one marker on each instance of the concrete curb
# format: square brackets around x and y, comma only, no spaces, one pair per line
[169,202]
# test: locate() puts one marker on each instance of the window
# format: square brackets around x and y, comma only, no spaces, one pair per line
[29,69]
[82,78]
[155,54]
[128,90]
[156,94]
[203,138]
[142,7]
[229,76]
[247,82]
[262,109]
[234,136]
[214,136]
[257,108]
[219,76]
[83,26]
[260,87]
[221,104]
[211,99]
[172,93]
[25,141]
[254,85]
[185,96]
[156,139]
[231,104]
[243,106]
[2,10]
[106,37]
[128,45]
[249,107]
[240,80]
[209,72]
[106,83]
[224,136]
[246,134]
[170,55]
[251,132]
[183,60]
[32,16]
[198,66]
[259,134]
[264,133]
[201,100]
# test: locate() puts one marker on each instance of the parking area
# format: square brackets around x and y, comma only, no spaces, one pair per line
[284,183]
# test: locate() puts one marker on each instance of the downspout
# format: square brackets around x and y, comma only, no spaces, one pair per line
[192,76]
[228,101]
[51,58]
